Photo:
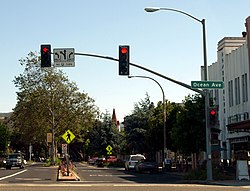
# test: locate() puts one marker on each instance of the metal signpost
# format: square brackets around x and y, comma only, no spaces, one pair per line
[64,57]
[68,136]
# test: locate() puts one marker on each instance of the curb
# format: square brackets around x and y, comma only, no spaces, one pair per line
[72,177]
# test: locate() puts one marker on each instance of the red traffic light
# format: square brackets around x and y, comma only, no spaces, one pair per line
[212,112]
[124,50]
[45,49]
[45,55]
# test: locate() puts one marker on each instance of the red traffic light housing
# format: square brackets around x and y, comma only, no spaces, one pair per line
[213,116]
[212,112]
[46,55]
[124,60]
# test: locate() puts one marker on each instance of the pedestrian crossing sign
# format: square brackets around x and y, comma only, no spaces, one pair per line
[68,136]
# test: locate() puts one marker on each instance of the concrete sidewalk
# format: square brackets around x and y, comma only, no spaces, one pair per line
[213,182]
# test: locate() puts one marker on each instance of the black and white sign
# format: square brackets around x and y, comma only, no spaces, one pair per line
[64,57]
[64,148]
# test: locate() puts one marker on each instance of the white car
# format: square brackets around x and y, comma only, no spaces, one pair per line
[133,160]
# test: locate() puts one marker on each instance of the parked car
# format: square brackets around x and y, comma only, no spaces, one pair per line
[147,166]
[111,159]
[100,162]
[132,160]
[92,161]
[15,160]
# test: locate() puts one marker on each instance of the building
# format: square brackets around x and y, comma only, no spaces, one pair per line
[233,101]
[114,119]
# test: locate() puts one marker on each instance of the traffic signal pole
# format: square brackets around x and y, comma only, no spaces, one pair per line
[146,69]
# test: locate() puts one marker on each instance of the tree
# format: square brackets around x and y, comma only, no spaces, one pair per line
[137,124]
[103,134]
[155,132]
[188,134]
[48,101]
[5,135]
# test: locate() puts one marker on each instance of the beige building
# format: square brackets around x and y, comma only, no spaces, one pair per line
[233,101]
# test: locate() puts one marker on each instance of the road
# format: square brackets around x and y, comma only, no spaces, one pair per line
[39,178]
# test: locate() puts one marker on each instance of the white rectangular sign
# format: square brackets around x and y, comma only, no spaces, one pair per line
[64,57]
[64,148]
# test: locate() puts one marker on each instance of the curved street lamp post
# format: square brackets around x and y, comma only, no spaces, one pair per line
[164,115]
[208,143]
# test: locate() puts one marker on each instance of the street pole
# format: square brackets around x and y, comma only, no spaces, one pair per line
[208,142]
[53,137]
[208,131]
[164,114]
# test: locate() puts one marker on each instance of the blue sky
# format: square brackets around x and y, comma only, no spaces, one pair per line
[164,41]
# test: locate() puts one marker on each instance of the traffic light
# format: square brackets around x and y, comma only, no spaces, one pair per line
[46,55]
[124,60]
[213,116]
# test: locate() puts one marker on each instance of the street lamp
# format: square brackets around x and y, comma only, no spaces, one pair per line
[164,113]
[208,143]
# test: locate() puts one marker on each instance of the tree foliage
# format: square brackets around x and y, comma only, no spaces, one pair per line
[137,125]
[188,134]
[103,134]
[5,135]
[47,99]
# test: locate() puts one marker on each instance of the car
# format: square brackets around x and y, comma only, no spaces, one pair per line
[132,160]
[147,166]
[15,160]
[111,159]
[92,160]
[100,162]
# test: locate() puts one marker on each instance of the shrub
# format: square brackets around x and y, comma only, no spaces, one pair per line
[196,174]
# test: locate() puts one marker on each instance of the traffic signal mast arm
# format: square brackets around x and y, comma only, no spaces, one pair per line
[146,69]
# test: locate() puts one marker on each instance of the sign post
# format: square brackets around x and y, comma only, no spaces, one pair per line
[68,136]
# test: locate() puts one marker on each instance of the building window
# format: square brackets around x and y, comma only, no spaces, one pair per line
[246,116]
[244,88]
[230,93]
[237,91]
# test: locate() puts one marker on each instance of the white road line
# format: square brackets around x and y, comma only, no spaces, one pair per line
[2,178]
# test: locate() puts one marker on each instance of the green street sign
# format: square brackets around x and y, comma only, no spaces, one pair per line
[207,84]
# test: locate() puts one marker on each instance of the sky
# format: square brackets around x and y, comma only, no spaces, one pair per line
[166,42]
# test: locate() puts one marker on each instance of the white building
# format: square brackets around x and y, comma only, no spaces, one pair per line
[232,67]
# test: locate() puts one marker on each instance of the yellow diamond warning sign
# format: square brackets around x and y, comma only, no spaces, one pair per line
[68,136]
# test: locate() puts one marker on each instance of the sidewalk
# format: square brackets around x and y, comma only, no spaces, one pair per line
[213,182]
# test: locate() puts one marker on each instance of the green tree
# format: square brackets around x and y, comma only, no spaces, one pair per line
[103,134]
[137,125]
[155,135]
[5,135]
[48,100]
[188,134]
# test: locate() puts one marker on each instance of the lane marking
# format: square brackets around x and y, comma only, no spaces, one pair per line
[2,178]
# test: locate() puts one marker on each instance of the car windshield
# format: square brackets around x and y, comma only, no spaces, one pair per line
[137,158]
[14,156]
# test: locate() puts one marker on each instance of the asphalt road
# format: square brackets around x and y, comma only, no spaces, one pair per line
[94,174]
[39,178]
